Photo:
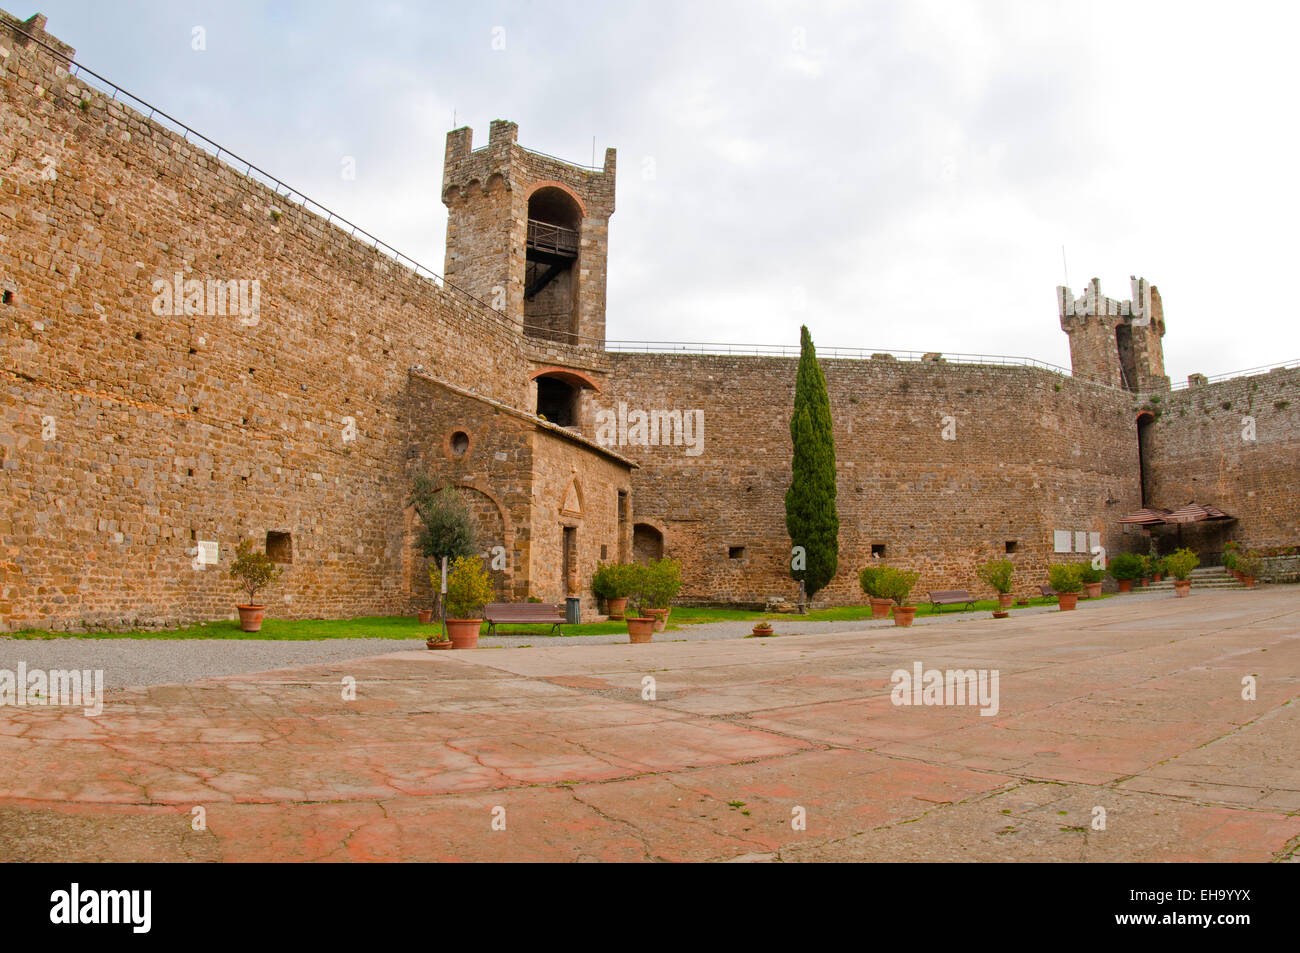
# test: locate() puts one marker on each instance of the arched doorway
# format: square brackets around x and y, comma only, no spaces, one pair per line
[647,543]
[1145,435]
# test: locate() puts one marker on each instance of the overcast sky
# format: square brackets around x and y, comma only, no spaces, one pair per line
[895,175]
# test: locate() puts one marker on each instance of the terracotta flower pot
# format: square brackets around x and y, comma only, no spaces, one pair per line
[1068,600]
[763,630]
[1182,587]
[616,609]
[439,643]
[880,608]
[660,616]
[426,616]
[640,630]
[1158,576]
[1146,581]
[1093,589]
[1125,585]
[1001,614]
[1005,600]
[464,632]
[903,615]
[250,617]
[1248,581]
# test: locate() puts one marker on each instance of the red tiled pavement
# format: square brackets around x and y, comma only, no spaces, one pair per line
[1133,708]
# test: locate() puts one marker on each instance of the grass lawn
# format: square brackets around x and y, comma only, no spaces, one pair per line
[408,627]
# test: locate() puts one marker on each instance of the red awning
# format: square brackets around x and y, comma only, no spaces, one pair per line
[1196,513]
[1151,516]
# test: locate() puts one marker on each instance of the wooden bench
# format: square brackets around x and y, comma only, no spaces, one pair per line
[1048,592]
[524,613]
[950,597]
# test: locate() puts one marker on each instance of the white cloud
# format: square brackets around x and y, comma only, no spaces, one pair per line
[914,166]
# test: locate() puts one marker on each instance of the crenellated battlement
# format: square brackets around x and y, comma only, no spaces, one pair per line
[1115,342]
[1139,308]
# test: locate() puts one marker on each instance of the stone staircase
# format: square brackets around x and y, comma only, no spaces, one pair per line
[1205,577]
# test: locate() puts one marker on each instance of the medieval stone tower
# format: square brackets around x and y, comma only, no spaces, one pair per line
[528,234]
[1116,343]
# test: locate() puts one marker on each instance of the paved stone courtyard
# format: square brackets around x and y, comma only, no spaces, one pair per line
[1134,706]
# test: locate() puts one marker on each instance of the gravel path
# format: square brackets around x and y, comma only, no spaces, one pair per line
[129,663]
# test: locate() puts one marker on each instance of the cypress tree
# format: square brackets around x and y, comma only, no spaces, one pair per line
[810,516]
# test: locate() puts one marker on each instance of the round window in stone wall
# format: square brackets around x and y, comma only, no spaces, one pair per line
[457,444]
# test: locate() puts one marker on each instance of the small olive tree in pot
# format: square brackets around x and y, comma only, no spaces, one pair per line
[663,582]
[640,625]
[869,580]
[254,570]
[1091,578]
[446,532]
[997,575]
[1126,567]
[1180,564]
[896,585]
[1067,580]
[614,582]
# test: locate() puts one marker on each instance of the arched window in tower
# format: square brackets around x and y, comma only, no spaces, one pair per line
[551,273]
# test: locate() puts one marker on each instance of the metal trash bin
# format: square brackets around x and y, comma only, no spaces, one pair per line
[572,610]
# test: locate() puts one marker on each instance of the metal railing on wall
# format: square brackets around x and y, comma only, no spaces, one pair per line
[1248,372]
[257,174]
[280,188]
[829,353]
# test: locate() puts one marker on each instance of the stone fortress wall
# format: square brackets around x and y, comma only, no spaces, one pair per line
[1234,443]
[1030,452]
[130,436]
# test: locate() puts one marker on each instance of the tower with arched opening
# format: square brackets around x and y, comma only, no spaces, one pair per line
[528,234]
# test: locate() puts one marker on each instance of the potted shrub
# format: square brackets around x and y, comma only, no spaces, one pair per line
[446,532]
[640,627]
[1091,578]
[896,585]
[997,575]
[868,579]
[1125,568]
[1231,555]
[1067,580]
[1180,564]
[663,582]
[762,630]
[612,582]
[1249,566]
[1000,613]
[254,571]
[468,591]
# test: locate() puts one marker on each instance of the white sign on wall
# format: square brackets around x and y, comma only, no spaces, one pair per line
[208,552]
[1061,540]
[1094,540]
[1081,542]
